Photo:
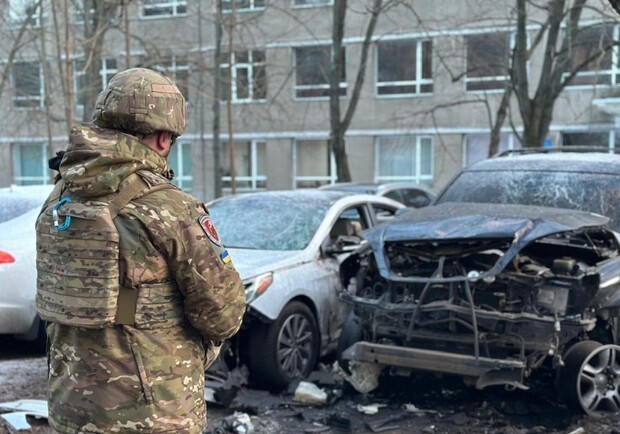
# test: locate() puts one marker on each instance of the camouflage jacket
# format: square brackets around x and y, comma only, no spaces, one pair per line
[147,377]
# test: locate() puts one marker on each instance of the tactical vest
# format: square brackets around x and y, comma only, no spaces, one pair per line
[78,258]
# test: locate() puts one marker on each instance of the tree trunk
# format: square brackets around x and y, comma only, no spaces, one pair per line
[231,138]
[336,138]
[500,118]
[217,84]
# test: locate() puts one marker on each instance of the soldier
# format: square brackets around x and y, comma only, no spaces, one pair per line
[132,277]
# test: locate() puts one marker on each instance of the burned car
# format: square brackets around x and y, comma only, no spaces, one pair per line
[493,289]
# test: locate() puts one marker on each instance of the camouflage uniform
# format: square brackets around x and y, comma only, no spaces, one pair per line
[147,376]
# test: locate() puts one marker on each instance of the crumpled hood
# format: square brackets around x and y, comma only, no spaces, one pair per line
[450,221]
[474,221]
[98,159]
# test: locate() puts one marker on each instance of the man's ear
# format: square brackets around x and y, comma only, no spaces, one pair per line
[161,141]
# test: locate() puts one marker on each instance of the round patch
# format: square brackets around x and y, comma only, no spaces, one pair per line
[209,229]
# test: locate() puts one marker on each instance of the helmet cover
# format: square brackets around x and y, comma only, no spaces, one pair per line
[141,101]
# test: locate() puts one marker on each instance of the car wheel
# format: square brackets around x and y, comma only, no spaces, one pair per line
[352,332]
[285,349]
[590,378]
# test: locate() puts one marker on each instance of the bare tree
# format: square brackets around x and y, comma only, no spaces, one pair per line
[99,18]
[18,43]
[561,34]
[338,125]
[537,111]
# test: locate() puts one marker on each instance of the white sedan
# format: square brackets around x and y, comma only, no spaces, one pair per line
[287,247]
[19,207]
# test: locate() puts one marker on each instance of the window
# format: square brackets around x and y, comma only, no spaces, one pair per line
[107,71]
[405,158]
[487,61]
[163,8]
[27,85]
[248,81]
[589,139]
[176,68]
[250,166]
[79,12]
[411,197]
[312,66]
[477,146]
[314,164]
[109,68]
[30,163]
[312,2]
[180,161]
[243,5]
[591,57]
[25,10]
[404,67]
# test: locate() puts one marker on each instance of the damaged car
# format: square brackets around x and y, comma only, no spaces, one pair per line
[287,247]
[515,268]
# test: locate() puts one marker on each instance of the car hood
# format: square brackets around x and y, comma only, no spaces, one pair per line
[474,221]
[251,263]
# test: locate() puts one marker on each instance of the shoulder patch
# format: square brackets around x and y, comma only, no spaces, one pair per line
[208,228]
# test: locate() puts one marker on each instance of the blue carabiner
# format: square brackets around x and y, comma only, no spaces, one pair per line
[67,222]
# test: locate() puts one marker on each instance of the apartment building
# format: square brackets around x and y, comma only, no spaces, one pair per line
[436,73]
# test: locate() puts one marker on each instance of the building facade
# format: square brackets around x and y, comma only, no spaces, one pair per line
[436,73]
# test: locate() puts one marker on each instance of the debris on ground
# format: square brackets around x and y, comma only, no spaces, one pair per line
[370,409]
[317,428]
[364,376]
[237,423]
[222,385]
[411,408]
[256,402]
[16,419]
[387,423]
[309,393]
[324,377]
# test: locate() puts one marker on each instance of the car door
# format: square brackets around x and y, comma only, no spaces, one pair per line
[350,223]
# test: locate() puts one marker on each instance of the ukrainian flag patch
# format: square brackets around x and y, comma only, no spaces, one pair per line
[225,257]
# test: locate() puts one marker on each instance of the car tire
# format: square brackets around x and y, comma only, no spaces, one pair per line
[589,380]
[352,332]
[286,349]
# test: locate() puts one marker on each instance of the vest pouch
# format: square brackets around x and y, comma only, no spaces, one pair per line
[78,268]
[159,305]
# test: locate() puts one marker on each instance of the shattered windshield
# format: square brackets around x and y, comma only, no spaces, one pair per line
[268,222]
[593,192]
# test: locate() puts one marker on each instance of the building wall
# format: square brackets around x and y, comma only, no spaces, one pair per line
[446,116]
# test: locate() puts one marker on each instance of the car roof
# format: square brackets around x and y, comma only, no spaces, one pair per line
[300,194]
[599,162]
[362,187]
[30,191]
[330,196]
[372,187]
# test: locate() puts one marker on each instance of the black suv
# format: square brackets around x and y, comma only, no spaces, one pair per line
[515,267]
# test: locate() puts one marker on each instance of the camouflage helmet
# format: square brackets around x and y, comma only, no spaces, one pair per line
[141,101]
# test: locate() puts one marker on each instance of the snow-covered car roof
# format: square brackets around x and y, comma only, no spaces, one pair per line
[18,199]
[590,162]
